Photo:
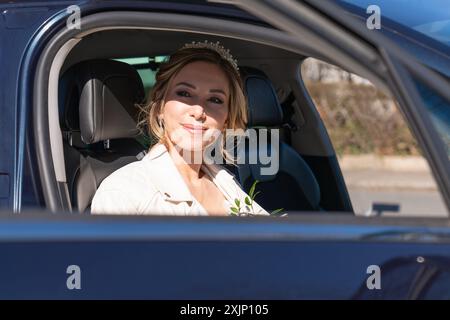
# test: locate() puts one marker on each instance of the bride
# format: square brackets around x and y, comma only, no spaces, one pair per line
[198,95]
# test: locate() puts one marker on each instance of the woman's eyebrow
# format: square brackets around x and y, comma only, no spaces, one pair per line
[187,84]
[218,91]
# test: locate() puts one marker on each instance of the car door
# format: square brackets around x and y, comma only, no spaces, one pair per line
[309,256]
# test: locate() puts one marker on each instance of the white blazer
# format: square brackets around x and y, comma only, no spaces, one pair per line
[154,186]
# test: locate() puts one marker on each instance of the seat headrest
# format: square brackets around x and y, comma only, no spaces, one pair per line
[103,93]
[263,106]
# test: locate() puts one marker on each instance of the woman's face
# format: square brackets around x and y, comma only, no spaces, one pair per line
[196,106]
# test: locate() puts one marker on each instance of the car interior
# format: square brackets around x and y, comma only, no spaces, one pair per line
[99,89]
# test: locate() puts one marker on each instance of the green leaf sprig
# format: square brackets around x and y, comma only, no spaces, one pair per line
[248,201]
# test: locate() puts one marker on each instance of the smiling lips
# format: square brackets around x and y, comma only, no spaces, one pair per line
[194,129]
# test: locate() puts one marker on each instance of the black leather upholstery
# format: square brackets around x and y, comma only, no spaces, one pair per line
[264,108]
[97,105]
[294,186]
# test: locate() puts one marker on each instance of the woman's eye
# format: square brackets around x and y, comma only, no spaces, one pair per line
[183,93]
[216,100]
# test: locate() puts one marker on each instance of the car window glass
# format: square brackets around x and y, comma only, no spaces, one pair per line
[382,164]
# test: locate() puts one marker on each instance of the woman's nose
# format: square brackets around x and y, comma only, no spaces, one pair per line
[197,111]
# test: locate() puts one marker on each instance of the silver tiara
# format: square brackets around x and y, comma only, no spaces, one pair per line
[217,47]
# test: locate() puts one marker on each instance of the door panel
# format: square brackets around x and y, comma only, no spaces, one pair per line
[306,258]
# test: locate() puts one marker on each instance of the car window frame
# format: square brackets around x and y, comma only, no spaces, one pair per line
[396,65]
[374,71]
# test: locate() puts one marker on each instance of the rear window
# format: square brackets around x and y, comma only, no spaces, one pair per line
[146,67]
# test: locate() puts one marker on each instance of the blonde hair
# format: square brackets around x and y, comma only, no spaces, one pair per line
[237,110]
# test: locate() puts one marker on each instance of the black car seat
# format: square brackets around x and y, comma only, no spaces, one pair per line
[98,119]
[294,187]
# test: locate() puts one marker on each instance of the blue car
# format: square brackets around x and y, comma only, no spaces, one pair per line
[55,58]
